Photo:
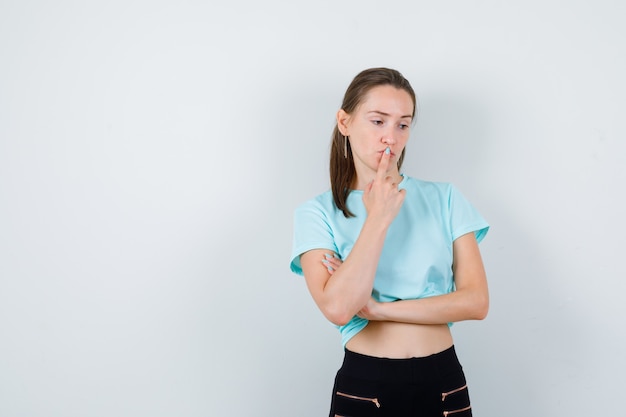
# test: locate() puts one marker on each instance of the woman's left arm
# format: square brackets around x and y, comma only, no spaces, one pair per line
[470,300]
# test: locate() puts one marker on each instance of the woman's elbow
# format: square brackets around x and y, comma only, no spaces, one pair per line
[337,315]
[481,307]
[338,321]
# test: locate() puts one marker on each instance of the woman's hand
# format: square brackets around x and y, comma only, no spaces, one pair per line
[332,262]
[370,311]
[381,197]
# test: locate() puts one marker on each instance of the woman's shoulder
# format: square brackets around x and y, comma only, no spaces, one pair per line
[439,187]
[322,202]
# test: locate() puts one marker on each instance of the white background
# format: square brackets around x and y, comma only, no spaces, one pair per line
[152,154]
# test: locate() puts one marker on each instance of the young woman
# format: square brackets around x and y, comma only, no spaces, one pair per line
[391,260]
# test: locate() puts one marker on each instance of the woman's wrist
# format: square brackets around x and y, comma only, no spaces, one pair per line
[390,311]
[382,311]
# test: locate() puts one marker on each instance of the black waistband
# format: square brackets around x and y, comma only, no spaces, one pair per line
[411,370]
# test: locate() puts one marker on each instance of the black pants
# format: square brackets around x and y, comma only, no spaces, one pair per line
[432,386]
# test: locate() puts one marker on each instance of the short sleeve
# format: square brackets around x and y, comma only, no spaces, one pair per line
[464,218]
[311,230]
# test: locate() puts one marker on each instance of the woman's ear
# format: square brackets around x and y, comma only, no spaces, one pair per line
[343,119]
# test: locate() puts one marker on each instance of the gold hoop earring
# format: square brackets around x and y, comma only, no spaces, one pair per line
[345,147]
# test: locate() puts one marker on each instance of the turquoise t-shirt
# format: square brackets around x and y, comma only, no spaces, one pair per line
[416,260]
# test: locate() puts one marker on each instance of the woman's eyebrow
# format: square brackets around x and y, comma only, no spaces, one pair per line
[387,114]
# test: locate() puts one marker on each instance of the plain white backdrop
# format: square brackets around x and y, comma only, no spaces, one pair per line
[152,154]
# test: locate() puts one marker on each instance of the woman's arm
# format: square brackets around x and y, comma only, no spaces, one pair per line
[470,301]
[343,293]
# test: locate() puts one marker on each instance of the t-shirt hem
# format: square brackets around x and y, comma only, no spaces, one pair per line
[479,229]
[345,337]
[295,260]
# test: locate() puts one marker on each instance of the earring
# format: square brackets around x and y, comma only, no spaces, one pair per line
[345,147]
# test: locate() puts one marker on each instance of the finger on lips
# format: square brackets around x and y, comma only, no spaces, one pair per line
[384,162]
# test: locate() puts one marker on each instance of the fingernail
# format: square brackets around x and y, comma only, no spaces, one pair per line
[329,269]
[327,256]
[387,151]
[325,261]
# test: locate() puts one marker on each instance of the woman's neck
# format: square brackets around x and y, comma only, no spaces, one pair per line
[362,180]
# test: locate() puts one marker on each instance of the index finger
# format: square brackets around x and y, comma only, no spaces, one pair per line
[383,165]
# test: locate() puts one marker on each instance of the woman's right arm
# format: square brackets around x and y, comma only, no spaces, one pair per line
[343,293]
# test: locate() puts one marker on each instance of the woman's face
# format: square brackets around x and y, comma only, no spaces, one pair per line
[382,120]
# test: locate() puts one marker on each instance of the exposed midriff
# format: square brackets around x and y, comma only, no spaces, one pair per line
[395,340]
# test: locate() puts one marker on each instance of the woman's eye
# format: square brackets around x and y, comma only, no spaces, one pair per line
[403,127]
[377,122]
